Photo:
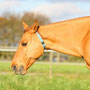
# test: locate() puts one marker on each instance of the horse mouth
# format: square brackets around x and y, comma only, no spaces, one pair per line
[20,71]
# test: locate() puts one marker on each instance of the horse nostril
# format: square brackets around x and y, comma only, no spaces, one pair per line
[14,68]
[21,68]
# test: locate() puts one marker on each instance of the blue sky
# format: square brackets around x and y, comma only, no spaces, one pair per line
[56,10]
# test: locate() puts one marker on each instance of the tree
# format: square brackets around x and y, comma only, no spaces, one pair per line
[11,28]
[30,17]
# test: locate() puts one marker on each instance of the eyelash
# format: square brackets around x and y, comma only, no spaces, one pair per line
[24,44]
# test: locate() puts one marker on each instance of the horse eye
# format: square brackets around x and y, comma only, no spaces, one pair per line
[24,44]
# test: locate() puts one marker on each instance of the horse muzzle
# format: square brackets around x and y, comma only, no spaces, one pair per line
[19,71]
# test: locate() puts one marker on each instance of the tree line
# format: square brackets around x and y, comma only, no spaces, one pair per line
[11,28]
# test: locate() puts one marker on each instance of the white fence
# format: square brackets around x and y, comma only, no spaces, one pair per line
[13,49]
[51,54]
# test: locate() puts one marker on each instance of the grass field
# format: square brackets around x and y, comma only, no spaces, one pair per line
[65,77]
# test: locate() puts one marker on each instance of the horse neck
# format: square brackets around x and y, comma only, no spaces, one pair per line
[54,39]
[47,33]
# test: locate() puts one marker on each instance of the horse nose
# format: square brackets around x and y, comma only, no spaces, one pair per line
[14,68]
[21,68]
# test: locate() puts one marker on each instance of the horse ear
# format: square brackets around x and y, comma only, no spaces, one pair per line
[35,26]
[26,27]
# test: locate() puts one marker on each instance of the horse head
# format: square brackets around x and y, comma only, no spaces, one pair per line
[30,48]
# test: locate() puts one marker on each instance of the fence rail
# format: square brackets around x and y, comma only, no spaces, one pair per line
[7,53]
[13,49]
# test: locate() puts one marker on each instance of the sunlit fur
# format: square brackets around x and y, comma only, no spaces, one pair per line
[71,37]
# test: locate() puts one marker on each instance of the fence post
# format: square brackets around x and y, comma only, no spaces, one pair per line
[58,57]
[51,57]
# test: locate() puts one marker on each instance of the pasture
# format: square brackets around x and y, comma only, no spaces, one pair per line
[65,77]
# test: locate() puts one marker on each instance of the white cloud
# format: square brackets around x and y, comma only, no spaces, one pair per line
[62,10]
[69,0]
[58,9]
[8,4]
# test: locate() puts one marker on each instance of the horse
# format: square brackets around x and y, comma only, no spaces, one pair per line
[71,37]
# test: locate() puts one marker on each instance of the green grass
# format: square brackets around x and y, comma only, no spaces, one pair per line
[65,77]
[44,68]
[13,82]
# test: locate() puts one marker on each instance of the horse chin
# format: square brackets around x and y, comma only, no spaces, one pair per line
[23,73]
